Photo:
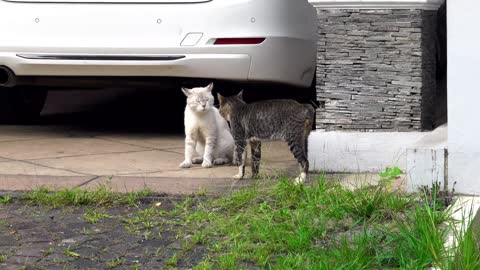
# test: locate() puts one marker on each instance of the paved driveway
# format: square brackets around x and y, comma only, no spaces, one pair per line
[127,139]
[60,156]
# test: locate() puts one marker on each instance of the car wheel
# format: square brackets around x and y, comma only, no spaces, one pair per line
[21,105]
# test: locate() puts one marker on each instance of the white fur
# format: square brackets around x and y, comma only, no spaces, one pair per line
[207,136]
[301,178]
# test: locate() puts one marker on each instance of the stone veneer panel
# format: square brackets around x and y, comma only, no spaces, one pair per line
[376,69]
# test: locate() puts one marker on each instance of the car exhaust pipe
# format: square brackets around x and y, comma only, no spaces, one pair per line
[7,77]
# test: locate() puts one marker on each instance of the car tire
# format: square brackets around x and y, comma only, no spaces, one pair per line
[21,105]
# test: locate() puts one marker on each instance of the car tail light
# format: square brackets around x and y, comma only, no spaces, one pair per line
[238,41]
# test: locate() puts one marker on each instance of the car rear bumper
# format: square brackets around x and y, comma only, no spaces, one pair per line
[133,31]
[189,66]
[271,61]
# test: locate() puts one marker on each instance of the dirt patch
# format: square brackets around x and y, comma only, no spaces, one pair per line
[121,237]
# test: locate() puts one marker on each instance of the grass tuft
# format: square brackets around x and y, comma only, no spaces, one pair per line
[116,262]
[79,197]
[280,225]
[275,224]
[5,199]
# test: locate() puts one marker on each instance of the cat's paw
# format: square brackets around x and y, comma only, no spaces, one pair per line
[300,179]
[207,164]
[220,161]
[197,160]
[236,163]
[186,164]
[238,176]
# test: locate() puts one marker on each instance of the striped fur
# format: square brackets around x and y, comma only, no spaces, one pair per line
[283,119]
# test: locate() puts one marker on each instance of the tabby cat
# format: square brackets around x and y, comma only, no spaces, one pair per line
[281,119]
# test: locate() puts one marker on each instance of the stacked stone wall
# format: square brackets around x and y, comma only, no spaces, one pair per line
[376,69]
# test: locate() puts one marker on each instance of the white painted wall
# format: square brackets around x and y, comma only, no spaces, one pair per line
[464,95]
[360,151]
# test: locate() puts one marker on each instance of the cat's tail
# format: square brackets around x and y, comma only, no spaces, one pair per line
[309,125]
[309,118]
[310,112]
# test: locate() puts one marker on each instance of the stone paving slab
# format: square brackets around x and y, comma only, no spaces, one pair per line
[24,168]
[169,185]
[271,169]
[61,147]
[117,163]
[28,182]
[271,151]
[21,133]
[149,141]
[50,155]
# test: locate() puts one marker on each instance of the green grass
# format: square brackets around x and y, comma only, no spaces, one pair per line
[48,251]
[3,258]
[465,251]
[275,224]
[323,226]
[5,199]
[116,262]
[172,261]
[79,197]
[70,253]
[94,216]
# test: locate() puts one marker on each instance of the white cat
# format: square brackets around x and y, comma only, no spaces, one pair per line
[207,136]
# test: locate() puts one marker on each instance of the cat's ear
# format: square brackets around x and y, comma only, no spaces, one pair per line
[209,87]
[221,98]
[240,95]
[186,91]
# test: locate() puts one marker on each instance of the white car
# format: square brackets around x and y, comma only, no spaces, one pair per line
[46,42]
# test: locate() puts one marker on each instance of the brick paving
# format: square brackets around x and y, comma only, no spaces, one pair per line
[33,237]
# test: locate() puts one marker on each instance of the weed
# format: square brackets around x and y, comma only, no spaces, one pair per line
[173,260]
[389,175]
[199,237]
[321,226]
[150,224]
[201,192]
[78,197]
[437,195]
[93,216]
[204,265]
[116,262]
[132,198]
[5,199]
[275,224]
[3,258]
[87,231]
[227,261]
[147,234]
[187,246]
[465,246]
[70,253]
[47,251]
[419,236]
